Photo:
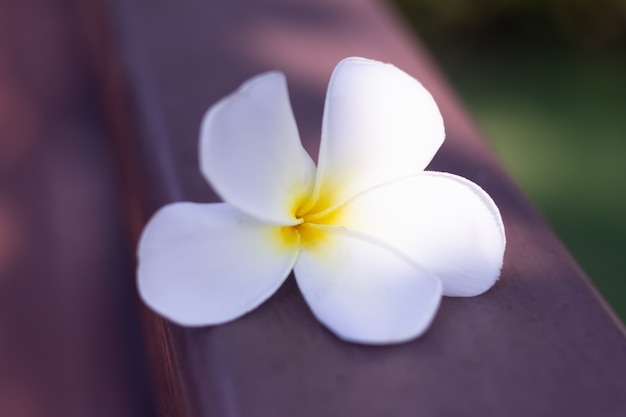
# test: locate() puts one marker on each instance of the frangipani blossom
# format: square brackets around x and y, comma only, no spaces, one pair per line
[373,239]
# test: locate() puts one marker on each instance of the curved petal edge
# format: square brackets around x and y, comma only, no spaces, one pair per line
[206,264]
[379,124]
[251,154]
[365,292]
[445,223]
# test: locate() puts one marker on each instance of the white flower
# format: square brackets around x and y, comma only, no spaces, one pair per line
[374,240]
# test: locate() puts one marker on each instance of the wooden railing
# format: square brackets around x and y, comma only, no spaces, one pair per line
[100,104]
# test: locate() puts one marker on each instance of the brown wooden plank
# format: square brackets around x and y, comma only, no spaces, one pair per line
[541,342]
[70,340]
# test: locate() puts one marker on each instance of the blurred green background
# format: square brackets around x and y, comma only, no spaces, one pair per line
[546,83]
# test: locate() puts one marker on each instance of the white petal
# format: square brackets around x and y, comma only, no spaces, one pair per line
[202,264]
[379,124]
[445,223]
[250,151]
[365,292]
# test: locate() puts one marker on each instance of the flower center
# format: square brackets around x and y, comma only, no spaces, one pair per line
[311,228]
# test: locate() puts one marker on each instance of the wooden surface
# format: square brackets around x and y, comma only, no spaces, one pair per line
[540,343]
[100,105]
[70,341]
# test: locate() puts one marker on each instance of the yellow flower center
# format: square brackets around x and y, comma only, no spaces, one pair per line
[310,230]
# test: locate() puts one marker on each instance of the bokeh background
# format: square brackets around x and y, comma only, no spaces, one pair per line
[546,83]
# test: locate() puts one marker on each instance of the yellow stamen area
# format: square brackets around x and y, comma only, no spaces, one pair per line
[309,234]
[310,230]
[289,236]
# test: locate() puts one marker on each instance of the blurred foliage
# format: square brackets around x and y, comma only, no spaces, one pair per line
[582,22]
[546,82]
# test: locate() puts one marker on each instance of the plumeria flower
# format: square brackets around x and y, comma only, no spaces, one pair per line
[373,239]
